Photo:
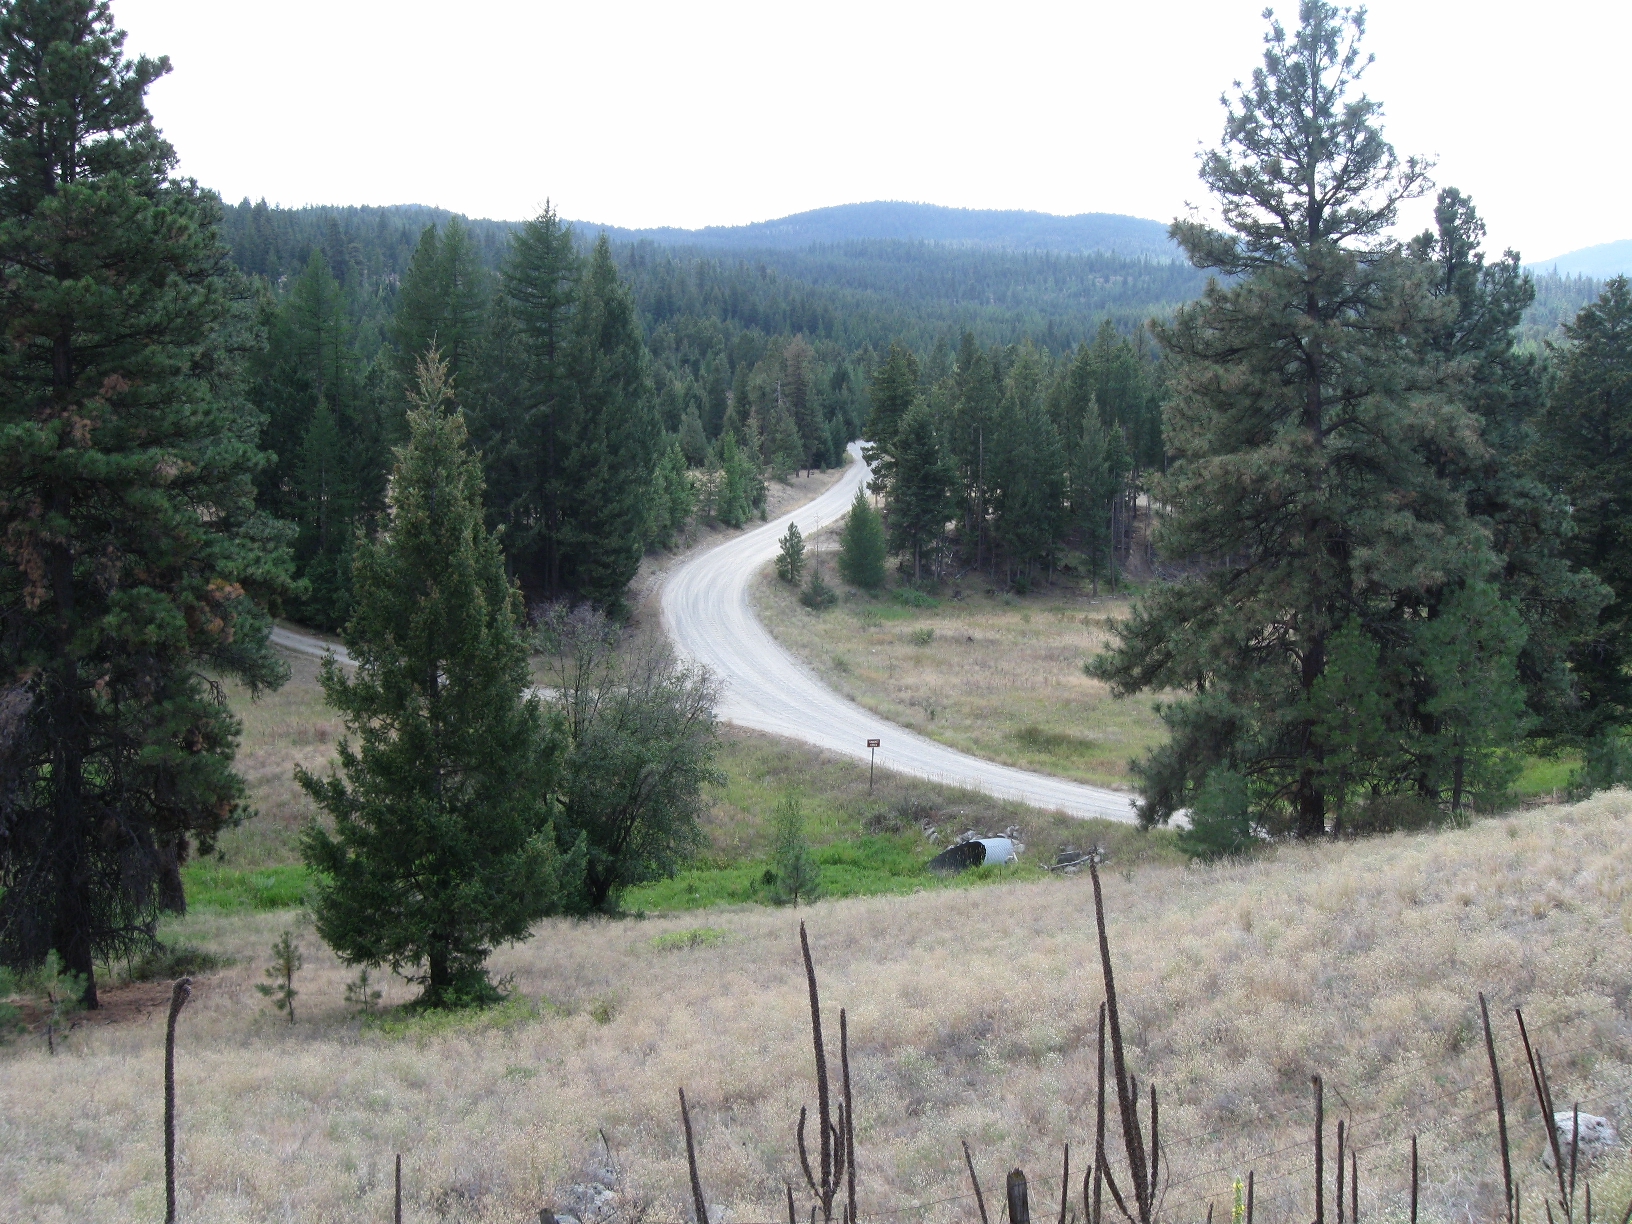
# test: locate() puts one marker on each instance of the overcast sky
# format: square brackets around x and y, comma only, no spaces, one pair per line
[719,113]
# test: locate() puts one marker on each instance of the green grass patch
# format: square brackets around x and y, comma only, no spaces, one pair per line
[410,1023]
[1056,743]
[867,866]
[693,937]
[233,890]
[1544,775]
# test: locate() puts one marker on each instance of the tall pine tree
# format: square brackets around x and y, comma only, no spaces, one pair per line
[127,457]
[442,844]
[1586,455]
[1313,444]
[613,447]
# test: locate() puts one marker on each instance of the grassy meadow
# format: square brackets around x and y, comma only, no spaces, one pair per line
[993,674]
[971,1015]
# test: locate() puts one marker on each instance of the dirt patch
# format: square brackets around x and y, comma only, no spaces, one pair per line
[131,1002]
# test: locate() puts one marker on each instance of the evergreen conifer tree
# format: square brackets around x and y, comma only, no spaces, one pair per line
[529,425]
[790,556]
[894,387]
[1314,450]
[1586,455]
[442,843]
[921,494]
[861,545]
[1529,524]
[134,553]
[442,304]
[797,875]
[614,441]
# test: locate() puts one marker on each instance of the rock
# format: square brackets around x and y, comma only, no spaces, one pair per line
[1597,1137]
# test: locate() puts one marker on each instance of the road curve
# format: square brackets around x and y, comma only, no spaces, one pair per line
[706,613]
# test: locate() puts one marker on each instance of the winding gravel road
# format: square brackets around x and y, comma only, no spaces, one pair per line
[706,613]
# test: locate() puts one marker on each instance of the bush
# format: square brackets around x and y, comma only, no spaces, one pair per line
[695,937]
[923,637]
[817,594]
[912,598]
[165,962]
[861,545]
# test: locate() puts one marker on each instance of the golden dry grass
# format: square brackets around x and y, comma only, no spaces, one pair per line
[971,1015]
[282,729]
[1001,677]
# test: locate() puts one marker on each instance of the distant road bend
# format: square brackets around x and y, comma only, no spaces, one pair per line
[706,612]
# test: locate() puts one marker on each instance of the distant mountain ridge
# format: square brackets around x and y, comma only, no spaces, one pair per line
[1002,229]
[1601,262]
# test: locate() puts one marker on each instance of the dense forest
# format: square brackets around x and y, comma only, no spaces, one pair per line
[747,365]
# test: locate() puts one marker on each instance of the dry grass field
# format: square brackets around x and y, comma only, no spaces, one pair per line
[971,1014]
[991,674]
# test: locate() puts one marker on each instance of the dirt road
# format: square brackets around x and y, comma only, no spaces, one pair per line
[706,613]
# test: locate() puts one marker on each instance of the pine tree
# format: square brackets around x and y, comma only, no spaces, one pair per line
[280,986]
[326,507]
[790,556]
[1313,444]
[1529,523]
[614,441]
[673,498]
[861,545]
[442,843]
[921,494]
[1586,455]
[442,303]
[135,555]
[528,430]
[693,442]
[974,414]
[1028,469]
[797,876]
[894,387]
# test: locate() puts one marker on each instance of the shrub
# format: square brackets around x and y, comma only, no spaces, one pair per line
[1220,818]
[923,636]
[817,595]
[165,962]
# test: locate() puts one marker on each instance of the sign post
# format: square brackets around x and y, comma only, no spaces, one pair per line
[872,756]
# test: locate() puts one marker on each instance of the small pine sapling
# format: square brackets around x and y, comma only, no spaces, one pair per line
[62,992]
[360,993]
[798,878]
[817,594]
[790,561]
[286,962]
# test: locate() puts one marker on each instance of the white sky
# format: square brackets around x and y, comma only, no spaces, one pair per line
[719,112]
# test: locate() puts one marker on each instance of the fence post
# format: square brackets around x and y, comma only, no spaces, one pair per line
[1019,1206]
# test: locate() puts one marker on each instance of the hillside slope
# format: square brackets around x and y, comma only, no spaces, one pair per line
[971,1016]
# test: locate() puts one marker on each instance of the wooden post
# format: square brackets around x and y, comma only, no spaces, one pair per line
[179,994]
[396,1211]
[1320,1151]
[1019,1204]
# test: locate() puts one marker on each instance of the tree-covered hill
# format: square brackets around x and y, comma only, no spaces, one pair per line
[900,221]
